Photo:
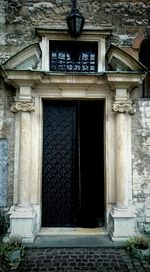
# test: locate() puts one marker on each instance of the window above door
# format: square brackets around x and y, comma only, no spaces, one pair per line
[62,53]
[70,56]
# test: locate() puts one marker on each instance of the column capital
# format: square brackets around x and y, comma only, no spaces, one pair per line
[23,106]
[123,107]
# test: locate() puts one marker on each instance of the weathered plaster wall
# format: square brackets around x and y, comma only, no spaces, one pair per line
[141,163]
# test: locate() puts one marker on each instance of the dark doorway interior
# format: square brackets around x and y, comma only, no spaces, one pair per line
[144,52]
[73,163]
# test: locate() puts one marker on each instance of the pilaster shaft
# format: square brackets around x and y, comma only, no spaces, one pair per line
[24,159]
[121,161]
[24,108]
[122,214]
[23,216]
[123,110]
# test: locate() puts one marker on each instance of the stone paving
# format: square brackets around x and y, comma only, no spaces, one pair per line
[81,259]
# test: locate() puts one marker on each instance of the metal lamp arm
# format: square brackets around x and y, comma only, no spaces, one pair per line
[74,4]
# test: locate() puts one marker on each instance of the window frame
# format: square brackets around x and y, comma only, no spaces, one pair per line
[88,35]
[60,59]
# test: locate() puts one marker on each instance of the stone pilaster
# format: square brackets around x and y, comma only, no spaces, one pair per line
[23,216]
[122,213]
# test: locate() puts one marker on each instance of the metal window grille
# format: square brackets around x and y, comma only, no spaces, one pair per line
[73,56]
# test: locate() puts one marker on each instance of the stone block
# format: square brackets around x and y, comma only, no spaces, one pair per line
[23,223]
[122,224]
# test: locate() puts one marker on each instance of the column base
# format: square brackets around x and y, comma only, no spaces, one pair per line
[23,223]
[122,223]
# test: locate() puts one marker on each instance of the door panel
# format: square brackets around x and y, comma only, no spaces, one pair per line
[91,163]
[73,170]
[59,164]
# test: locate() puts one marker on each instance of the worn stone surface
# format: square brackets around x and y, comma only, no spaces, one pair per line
[81,259]
[128,18]
[7,132]
[3,172]
[140,161]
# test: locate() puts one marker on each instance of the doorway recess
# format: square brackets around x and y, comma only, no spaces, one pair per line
[73,163]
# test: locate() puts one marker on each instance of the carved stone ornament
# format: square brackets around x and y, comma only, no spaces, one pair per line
[22,106]
[122,107]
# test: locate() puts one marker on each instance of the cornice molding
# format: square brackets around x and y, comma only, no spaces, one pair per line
[88,30]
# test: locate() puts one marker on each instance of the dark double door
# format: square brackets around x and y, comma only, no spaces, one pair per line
[73,163]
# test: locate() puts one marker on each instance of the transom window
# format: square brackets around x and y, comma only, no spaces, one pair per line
[68,56]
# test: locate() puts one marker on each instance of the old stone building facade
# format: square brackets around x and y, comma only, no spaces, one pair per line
[120,30]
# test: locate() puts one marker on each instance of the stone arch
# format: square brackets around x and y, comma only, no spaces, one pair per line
[120,60]
[26,59]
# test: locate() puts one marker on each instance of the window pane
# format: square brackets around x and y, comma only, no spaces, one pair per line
[73,56]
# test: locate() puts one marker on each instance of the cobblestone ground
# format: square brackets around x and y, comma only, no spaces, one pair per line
[81,259]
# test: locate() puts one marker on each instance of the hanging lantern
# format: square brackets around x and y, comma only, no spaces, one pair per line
[75,21]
